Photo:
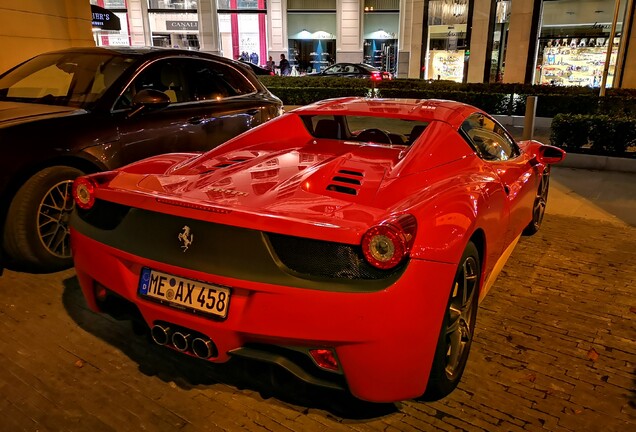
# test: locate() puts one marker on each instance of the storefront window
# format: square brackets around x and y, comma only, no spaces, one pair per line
[381,24]
[174,23]
[172,4]
[447,41]
[574,41]
[499,40]
[104,37]
[242,24]
[311,29]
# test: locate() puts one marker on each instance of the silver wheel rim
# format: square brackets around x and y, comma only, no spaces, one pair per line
[541,200]
[53,217]
[461,312]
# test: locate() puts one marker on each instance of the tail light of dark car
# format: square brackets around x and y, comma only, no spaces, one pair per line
[376,76]
[386,244]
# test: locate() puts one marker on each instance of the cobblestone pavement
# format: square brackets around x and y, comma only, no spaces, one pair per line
[555,350]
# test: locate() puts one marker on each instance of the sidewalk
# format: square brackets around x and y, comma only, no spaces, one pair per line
[606,196]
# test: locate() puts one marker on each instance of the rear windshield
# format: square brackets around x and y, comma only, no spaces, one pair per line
[378,130]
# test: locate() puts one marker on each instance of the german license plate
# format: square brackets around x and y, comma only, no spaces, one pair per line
[186,294]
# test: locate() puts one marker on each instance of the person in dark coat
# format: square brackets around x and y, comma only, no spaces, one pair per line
[285,68]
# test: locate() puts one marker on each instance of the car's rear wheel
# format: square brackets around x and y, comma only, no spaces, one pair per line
[458,326]
[36,234]
[540,201]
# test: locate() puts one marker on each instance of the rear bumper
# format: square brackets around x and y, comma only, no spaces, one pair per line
[384,341]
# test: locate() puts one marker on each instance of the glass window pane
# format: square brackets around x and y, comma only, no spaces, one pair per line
[574,42]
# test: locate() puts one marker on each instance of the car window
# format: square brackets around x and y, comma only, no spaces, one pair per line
[333,70]
[164,75]
[365,129]
[211,80]
[71,79]
[188,80]
[489,138]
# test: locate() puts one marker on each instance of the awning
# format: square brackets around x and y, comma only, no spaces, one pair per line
[103,19]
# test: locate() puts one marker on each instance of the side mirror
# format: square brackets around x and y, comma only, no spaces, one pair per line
[548,155]
[149,98]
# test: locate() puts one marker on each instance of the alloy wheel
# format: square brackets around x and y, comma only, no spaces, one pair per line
[541,200]
[53,217]
[462,309]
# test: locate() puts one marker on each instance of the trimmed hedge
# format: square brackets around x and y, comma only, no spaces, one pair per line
[504,99]
[594,134]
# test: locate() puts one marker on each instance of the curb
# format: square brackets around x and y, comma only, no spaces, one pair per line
[599,163]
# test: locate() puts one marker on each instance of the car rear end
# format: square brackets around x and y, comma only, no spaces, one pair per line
[212,283]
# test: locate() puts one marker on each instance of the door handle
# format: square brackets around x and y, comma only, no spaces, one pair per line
[253,112]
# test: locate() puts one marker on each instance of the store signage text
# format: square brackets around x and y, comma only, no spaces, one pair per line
[99,18]
[601,26]
[103,19]
[182,25]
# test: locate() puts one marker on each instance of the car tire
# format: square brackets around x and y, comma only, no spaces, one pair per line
[36,228]
[540,201]
[458,327]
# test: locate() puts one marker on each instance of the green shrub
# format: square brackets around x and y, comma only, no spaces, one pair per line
[611,135]
[569,131]
[607,135]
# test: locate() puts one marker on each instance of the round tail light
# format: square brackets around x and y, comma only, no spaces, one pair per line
[385,245]
[84,192]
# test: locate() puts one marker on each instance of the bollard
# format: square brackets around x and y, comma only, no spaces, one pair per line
[531,111]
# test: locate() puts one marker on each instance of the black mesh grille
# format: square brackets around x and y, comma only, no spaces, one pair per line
[326,259]
[104,214]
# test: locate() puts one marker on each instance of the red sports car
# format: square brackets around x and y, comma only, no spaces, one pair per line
[347,241]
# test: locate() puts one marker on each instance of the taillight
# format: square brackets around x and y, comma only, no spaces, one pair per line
[84,192]
[376,76]
[325,358]
[385,245]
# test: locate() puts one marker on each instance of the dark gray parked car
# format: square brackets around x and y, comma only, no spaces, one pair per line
[85,110]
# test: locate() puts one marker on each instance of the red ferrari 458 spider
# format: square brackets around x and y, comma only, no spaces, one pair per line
[348,241]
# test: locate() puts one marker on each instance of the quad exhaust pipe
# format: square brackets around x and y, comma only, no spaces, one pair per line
[160,334]
[180,341]
[203,348]
[183,341]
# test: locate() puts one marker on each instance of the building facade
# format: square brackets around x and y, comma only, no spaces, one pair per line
[556,42]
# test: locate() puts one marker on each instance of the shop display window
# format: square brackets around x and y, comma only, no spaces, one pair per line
[380,29]
[242,24]
[576,61]
[311,55]
[172,4]
[499,40]
[381,53]
[574,42]
[447,40]
[311,39]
